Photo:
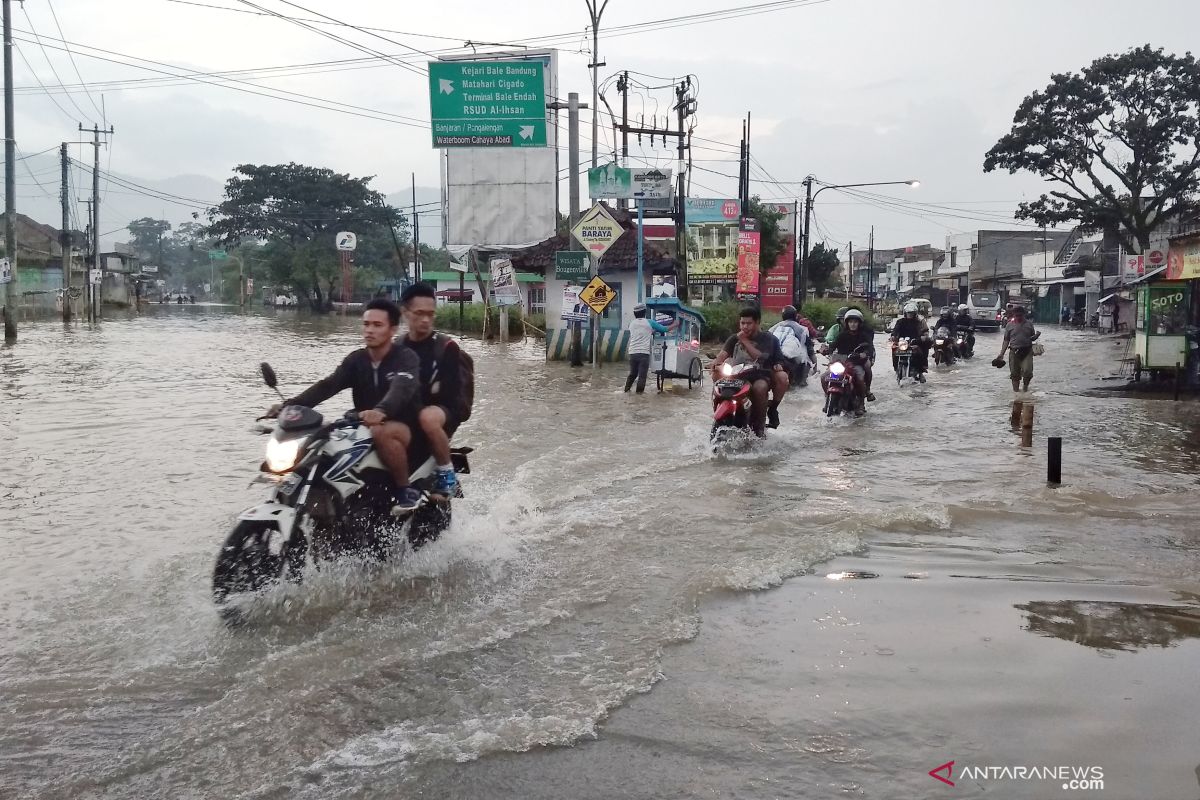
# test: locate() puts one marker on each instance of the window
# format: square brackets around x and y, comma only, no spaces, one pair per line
[536,297]
[1167,314]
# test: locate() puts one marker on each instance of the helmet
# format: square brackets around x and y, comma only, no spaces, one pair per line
[945,310]
[910,308]
[842,312]
[962,307]
[853,313]
[789,312]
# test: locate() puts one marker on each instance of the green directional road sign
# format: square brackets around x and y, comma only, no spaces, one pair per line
[487,103]
[570,265]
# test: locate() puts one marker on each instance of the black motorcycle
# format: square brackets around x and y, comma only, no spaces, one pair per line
[330,496]
[943,347]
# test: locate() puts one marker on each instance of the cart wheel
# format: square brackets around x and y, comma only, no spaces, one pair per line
[658,379]
[695,374]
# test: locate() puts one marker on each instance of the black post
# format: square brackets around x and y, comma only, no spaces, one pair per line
[462,277]
[1054,459]
[802,281]
[1178,376]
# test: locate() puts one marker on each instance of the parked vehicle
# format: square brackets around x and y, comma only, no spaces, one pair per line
[986,310]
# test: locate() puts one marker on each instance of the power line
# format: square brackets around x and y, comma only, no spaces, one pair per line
[38,40]
[71,55]
[29,66]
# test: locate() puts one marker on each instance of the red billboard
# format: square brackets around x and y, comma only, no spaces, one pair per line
[777,283]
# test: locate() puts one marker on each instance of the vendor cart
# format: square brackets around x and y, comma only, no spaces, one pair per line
[1160,342]
[676,353]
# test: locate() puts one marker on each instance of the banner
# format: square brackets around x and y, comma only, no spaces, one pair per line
[749,244]
[504,282]
[777,283]
[1183,261]
[574,309]
[613,181]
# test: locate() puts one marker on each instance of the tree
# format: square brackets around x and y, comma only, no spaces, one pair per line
[823,268]
[296,210]
[772,241]
[1121,140]
[146,238]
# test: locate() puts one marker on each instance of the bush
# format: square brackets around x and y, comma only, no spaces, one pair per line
[472,316]
[823,313]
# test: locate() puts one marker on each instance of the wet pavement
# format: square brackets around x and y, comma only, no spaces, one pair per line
[602,548]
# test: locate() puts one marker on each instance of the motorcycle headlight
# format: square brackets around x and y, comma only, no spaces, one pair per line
[940,341]
[727,369]
[837,369]
[282,455]
[903,346]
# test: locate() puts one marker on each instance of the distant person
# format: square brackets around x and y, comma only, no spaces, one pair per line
[1065,315]
[641,338]
[1019,336]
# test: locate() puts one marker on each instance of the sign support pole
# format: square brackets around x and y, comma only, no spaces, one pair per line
[594,270]
[641,252]
[462,279]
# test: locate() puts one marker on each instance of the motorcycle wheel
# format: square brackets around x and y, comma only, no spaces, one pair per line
[246,565]
[695,374]
[428,523]
[833,405]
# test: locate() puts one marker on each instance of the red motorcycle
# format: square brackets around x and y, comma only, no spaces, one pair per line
[731,400]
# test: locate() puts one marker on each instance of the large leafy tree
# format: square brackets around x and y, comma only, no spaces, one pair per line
[295,210]
[145,236]
[772,239]
[823,269]
[1120,140]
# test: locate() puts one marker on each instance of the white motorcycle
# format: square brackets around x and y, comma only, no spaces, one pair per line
[330,495]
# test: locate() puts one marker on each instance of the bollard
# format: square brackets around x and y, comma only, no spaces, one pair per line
[1054,459]
[1027,426]
[1178,376]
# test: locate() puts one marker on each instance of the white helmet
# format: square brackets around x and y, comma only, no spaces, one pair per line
[910,308]
[962,306]
[853,313]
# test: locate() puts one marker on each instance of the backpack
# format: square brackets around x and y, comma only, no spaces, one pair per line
[788,341]
[466,366]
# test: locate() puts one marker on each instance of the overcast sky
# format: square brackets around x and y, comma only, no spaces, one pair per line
[847,90]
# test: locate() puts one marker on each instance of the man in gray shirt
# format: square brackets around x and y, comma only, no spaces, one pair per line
[1019,336]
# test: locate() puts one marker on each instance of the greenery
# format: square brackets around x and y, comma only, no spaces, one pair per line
[1121,141]
[472,315]
[823,269]
[288,215]
[721,319]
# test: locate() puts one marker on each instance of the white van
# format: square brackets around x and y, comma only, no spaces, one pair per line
[985,309]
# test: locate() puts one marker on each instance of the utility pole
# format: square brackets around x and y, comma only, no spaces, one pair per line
[10,183]
[623,88]
[683,107]
[595,10]
[802,277]
[95,215]
[64,236]
[572,106]
[850,271]
[416,232]
[87,278]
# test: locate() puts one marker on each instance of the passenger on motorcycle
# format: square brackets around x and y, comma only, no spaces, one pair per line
[836,328]
[796,344]
[382,378]
[752,345]
[966,325]
[443,396]
[911,326]
[854,334]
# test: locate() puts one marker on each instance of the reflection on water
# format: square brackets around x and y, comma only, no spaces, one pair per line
[1112,625]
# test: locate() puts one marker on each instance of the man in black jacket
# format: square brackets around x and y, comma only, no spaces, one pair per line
[383,380]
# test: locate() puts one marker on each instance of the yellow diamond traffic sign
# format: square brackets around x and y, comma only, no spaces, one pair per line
[597,231]
[598,294]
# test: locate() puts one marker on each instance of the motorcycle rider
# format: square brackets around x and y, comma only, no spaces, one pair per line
[964,324]
[752,345]
[836,328]
[914,328]
[443,395]
[801,364]
[946,320]
[854,334]
[382,377]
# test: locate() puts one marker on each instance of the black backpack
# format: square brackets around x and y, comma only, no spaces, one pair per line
[466,366]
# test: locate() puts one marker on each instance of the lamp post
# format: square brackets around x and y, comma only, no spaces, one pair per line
[809,198]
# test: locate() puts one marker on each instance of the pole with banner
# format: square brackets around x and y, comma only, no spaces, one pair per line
[597,230]
[345,241]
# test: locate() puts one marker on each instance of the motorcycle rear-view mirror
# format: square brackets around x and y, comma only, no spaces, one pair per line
[268,375]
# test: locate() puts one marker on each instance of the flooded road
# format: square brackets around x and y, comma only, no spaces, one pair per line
[596,531]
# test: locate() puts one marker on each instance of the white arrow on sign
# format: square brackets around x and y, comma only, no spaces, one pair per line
[447,87]
[526,132]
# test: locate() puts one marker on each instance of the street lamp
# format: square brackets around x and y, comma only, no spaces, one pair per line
[809,197]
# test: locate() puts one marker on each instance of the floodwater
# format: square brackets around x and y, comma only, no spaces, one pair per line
[597,533]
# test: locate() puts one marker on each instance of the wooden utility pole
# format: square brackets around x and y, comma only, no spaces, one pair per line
[95,289]
[64,236]
[10,183]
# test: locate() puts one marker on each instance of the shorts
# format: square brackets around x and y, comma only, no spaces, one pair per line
[1021,367]
[451,425]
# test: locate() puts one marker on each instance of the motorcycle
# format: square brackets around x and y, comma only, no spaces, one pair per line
[838,382]
[964,342]
[731,400]
[330,496]
[943,347]
[903,350]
